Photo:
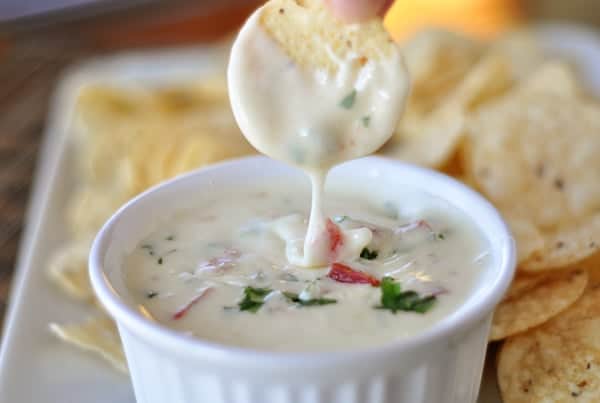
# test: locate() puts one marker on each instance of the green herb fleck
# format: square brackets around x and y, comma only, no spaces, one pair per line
[366,120]
[368,254]
[253,299]
[160,260]
[440,236]
[151,294]
[149,248]
[394,299]
[170,238]
[310,302]
[348,101]
[340,218]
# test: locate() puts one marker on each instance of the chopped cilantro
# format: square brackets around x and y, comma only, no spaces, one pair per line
[368,254]
[253,299]
[394,299]
[151,294]
[170,238]
[348,101]
[440,236]
[160,260]
[366,120]
[310,302]
[149,248]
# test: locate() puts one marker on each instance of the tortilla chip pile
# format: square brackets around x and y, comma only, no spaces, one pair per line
[521,129]
[125,140]
[502,117]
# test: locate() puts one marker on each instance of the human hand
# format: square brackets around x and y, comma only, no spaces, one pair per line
[358,10]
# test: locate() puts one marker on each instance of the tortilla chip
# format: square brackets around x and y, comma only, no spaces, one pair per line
[432,139]
[558,361]
[437,62]
[556,77]
[566,246]
[68,269]
[98,335]
[124,140]
[314,38]
[534,299]
[523,50]
[533,154]
[592,265]
[197,96]
[429,142]
[101,108]
[529,239]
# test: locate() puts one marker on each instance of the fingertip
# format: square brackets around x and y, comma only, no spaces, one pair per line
[358,10]
[385,7]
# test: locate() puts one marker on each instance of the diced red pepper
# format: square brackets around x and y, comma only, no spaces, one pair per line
[344,274]
[184,309]
[336,239]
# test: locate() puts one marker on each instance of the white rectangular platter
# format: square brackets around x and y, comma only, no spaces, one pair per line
[34,366]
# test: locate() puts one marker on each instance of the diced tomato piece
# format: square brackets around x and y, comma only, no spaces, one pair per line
[184,309]
[424,224]
[344,274]
[336,239]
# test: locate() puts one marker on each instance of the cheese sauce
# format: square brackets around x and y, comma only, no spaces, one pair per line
[253,267]
[191,273]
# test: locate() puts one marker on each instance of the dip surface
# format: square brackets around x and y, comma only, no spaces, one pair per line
[192,271]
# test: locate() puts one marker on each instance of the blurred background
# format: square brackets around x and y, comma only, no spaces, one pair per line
[40,38]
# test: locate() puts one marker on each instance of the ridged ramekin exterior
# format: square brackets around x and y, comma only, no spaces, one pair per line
[448,373]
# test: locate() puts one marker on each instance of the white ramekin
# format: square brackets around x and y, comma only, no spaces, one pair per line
[443,364]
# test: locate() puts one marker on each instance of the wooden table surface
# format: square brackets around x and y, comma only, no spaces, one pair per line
[27,78]
[31,62]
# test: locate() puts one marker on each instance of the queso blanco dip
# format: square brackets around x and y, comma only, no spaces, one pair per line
[255,267]
[221,271]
